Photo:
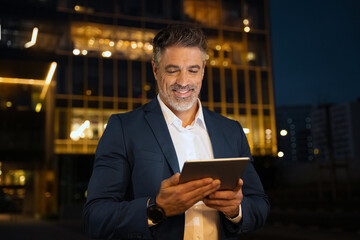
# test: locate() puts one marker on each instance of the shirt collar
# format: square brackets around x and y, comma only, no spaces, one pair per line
[170,117]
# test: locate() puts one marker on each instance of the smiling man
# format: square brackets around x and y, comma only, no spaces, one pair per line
[134,191]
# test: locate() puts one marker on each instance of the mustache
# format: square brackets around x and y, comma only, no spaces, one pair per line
[177,87]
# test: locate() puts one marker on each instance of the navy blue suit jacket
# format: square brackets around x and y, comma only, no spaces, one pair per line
[135,154]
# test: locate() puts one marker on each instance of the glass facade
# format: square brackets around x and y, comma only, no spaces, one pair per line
[104,67]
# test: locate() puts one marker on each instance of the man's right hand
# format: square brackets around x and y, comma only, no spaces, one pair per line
[176,198]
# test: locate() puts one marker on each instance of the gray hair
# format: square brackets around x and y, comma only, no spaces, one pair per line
[181,35]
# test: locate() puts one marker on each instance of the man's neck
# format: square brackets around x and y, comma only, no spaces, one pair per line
[187,117]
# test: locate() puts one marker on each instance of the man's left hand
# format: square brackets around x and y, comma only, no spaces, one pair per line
[227,202]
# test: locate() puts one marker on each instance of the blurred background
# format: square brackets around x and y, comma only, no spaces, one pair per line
[288,71]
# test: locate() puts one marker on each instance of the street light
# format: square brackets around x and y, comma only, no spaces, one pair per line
[283,132]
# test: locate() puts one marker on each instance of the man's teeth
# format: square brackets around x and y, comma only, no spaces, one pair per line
[183,91]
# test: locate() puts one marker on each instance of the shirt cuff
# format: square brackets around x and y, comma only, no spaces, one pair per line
[236,219]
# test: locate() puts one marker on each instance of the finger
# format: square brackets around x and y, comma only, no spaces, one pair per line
[239,185]
[228,195]
[202,192]
[196,184]
[172,181]
[220,202]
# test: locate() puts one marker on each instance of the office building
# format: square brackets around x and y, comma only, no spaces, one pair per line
[102,52]
[295,141]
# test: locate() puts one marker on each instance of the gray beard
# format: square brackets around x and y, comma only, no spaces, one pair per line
[180,104]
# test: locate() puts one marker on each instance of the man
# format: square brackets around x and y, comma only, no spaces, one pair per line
[134,191]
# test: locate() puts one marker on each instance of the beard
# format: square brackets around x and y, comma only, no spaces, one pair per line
[179,104]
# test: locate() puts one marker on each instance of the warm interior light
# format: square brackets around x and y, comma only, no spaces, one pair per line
[76,51]
[111,44]
[247,29]
[251,56]
[48,79]
[246,21]
[218,47]
[316,151]
[21,81]
[283,132]
[75,135]
[246,130]
[38,107]
[33,38]
[133,45]
[280,154]
[22,179]
[106,54]
[84,52]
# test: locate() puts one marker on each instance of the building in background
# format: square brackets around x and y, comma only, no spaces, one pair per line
[103,52]
[336,131]
[295,140]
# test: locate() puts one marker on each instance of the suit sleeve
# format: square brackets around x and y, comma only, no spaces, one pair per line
[109,212]
[255,204]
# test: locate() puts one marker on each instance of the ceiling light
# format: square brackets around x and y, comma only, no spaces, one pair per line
[33,38]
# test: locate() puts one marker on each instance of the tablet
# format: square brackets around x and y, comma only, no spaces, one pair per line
[228,170]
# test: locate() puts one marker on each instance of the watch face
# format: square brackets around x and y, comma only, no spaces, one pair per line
[155,213]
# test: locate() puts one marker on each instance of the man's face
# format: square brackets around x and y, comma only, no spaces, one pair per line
[179,76]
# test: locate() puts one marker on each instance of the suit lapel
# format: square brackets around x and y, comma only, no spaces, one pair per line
[216,137]
[156,121]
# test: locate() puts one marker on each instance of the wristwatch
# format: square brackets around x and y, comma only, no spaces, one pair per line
[155,213]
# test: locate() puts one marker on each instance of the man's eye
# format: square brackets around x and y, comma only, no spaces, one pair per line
[171,71]
[193,71]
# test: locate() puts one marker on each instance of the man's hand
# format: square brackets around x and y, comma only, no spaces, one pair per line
[227,202]
[176,198]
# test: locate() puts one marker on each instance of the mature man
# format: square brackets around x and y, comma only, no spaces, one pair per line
[134,191]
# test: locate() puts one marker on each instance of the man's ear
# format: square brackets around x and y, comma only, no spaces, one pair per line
[155,69]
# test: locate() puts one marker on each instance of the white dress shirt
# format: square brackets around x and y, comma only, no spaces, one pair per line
[191,143]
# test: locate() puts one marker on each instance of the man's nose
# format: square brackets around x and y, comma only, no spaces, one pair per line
[182,79]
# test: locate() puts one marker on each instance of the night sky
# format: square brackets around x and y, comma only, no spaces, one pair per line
[315,51]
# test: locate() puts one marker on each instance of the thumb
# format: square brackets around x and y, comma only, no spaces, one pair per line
[172,181]
[239,186]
